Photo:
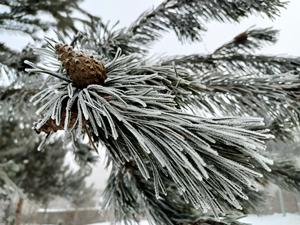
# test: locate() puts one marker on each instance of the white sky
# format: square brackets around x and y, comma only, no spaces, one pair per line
[126,11]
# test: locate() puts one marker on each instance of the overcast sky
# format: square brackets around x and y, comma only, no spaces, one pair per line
[126,11]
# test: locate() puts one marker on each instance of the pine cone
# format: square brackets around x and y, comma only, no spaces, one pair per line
[241,38]
[51,127]
[82,69]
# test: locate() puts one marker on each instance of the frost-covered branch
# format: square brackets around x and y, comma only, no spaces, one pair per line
[132,198]
[24,16]
[130,107]
[285,174]
[237,56]
[274,97]
[237,63]
[187,18]
[250,40]
[107,38]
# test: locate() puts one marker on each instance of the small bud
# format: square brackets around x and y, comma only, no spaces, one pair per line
[241,38]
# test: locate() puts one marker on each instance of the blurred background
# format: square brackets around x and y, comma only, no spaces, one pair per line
[83,207]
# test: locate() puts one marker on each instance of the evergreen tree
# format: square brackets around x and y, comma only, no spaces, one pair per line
[174,161]
[39,176]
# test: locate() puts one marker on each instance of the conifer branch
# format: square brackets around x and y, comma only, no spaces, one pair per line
[242,64]
[107,38]
[169,165]
[274,97]
[285,130]
[248,41]
[285,174]
[132,198]
[134,115]
[186,18]
[237,56]
[244,79]
[15,60]
[22,16]
[129,196]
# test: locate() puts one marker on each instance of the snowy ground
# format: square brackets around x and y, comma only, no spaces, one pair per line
[276,219]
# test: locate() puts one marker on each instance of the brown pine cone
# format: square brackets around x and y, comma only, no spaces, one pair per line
[82,69]
[241,38]
[51,127]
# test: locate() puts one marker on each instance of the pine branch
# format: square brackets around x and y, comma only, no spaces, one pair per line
[135,116]
[132,198]
[23,16]
[256,200]
[17,22]
[286,130]
[224,221]
[40,175]
[127,186]
[285,174]
[8,75]
[106,39]
[237,56]
[277,104]
[242,64]
[275,88]
[84,154]
[15,60]
[169,165]
[186,17]
[19,94]
[248,41]
[7,181]
[278,114]
[273,97]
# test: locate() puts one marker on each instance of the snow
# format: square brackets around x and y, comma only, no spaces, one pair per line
[41,210]
[143,222]
[275,219]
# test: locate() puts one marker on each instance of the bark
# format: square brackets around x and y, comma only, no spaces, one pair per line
[19,211]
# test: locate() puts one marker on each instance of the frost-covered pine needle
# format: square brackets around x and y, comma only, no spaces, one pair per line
[136,117]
